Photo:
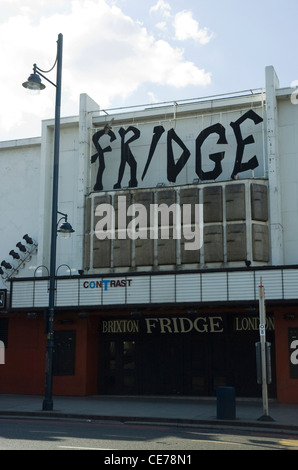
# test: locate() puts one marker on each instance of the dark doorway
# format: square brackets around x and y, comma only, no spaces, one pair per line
[186,364]
[64,352]
[117,366]
[163,365]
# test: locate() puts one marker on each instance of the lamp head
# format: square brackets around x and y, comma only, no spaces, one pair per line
[65,229]
[34,84]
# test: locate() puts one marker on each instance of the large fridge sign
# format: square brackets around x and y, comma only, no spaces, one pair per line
[293,350]
[202,148]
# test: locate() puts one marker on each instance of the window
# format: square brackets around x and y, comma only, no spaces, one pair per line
[64,353]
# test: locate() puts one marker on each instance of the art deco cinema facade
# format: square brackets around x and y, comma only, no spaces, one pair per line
[181,211]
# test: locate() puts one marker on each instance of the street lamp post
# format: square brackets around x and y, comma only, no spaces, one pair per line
[34,84]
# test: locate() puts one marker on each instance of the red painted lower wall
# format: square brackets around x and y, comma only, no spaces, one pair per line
[24,368]
[84,382]
[24,357]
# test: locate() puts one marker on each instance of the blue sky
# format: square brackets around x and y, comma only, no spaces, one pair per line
[134,52]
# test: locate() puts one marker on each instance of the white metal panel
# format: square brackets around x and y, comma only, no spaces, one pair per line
[214,287]
[163,288]
[139,290]
[22,294]
[272,282]
[188,288]
[241,285]
[290,283]
[67,292]
[41,293]
[88,294]
[112,293]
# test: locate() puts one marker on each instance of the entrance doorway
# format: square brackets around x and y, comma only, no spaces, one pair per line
[117,367]
[184,365]
[181,364]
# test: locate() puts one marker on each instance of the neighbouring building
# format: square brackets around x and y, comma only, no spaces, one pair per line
[181,211]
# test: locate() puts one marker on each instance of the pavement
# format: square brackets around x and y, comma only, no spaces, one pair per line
[178,411]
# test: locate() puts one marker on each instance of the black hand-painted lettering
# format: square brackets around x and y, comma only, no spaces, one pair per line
[239,167]
[215,157]
[100,155]
[158,131]
[173,169]
[127,157]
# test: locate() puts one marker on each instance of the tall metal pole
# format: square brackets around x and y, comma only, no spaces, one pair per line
[263,348]
[48,400]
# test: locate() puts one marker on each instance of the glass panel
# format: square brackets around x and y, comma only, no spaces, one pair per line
[112,356]
[198,384]
[129,381]
[219,381]
[64,352]
[128,355]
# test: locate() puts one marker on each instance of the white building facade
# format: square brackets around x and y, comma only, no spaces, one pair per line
[180,210]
